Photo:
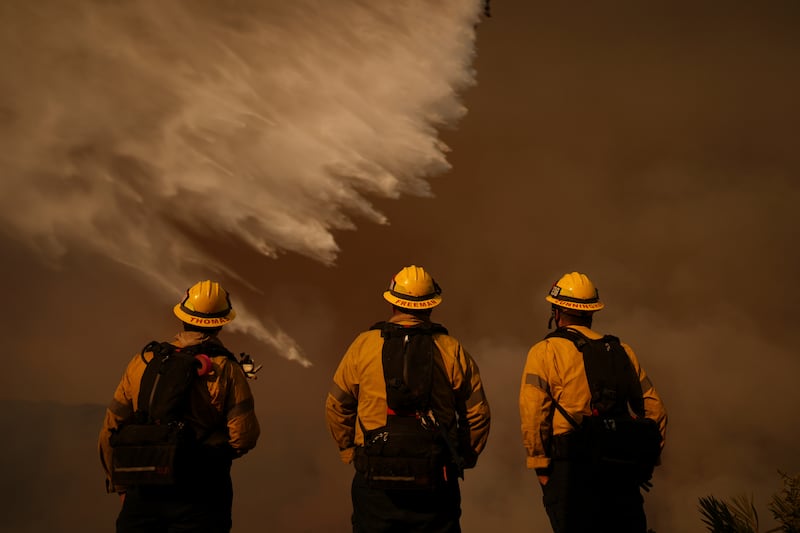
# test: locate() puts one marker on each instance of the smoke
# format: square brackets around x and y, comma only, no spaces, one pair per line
[147,132]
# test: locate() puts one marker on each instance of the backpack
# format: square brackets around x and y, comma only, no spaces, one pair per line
[411,450]
[611,438]
[156,445]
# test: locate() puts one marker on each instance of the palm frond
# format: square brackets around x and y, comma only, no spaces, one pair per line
[738,516]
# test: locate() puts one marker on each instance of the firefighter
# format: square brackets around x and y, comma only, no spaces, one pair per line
[456,417]
[578,497]
[221,415]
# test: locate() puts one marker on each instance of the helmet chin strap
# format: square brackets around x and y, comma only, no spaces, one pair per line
[552,318]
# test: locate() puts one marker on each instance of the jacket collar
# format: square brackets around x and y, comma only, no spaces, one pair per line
[407,320]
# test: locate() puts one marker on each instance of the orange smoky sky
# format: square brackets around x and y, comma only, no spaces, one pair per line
[303,154]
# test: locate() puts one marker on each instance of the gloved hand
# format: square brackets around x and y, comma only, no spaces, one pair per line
[544,476]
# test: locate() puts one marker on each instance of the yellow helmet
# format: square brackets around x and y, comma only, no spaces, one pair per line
[575,291]
[206,305]
[413,288]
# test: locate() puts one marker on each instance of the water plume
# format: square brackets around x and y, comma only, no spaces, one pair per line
[132,128]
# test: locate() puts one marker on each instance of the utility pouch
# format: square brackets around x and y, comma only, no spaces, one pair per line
[623,445]
[401,455]
[146,454]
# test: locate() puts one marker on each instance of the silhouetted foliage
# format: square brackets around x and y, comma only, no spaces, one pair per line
[739,515]
[785,505]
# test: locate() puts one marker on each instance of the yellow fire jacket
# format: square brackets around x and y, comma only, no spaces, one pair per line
[556,366]
[359,392]
[229,416]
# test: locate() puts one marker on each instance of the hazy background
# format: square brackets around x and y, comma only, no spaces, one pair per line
[303,152]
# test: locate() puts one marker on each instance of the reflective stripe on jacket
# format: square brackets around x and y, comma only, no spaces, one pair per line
[554,367]
[359,390]
[229,417]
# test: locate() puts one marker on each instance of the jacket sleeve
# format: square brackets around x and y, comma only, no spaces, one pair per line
[240,413]
[478,413]
[653,406]
[536,408]
[120,408]
[341,406]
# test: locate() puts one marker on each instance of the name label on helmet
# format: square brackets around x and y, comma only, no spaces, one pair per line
[409,304]
[579,306]
[208,321]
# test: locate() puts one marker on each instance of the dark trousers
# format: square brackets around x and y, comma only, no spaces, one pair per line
[406,511]
[203,508]
[581,498]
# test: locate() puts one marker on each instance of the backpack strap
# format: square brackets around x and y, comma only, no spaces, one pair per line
[577,338]
[147,386]
[392,328]
[211,349]
[152,346]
